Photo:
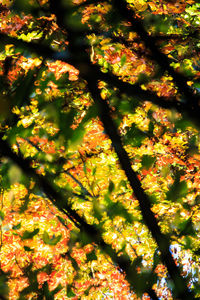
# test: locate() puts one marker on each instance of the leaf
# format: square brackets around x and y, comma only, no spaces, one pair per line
[134,136]
[70,292]
[91,256]
[140,5]
[123,183]
[146,280]
[73,261]
[4,290]
[65,122]
[24,88]
[147,161]
[26,7]
[183,124]
[117,209]
[33,288]
[62,220]
[14,174]
[24,205]
[123,60]
[45,291]
[111,187]
[2,215]
[29,234]
[18,226]
[151,128]
[5,105]
[178,189]
[26,248]
[78,135]
[49,295]
[56,290]
[4,179]
[51,241]
[186,228]
[86,292]
[85,168]
[94,171]
[156,259]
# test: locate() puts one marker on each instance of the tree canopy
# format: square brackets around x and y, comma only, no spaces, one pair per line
[99,149]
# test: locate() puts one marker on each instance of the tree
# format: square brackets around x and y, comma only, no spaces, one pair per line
[99,149]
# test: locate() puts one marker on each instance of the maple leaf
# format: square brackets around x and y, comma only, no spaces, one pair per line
[95,180]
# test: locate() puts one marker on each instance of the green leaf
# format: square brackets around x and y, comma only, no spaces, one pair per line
[123,184]
[73,261]
[4,290]
[134,136]
[45,291]
[24,89]
[49,295]
[147,161]
[29,234]
[18,226]
[26,248]
[2,215]
[117,209]
[178,189]
[86,292]
[78,135]
[4,169]
[183,124]
[146,280]
[56,290]
[24,205]
[91,256]
[192,146]
[94,171]
[186,228]
[51,241]
[123,60]
[33,288]
[25,6]
[62,220]
[14,174]
[151,127]
[188,241]
[85,168]
[156,259]
[70,292]
[111,186]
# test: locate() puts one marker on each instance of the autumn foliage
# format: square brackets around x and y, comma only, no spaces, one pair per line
[99,149]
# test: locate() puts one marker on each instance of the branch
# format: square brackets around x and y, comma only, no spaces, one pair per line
[91,232]
[35,47]
[124,87]
[144,202]
[157,55]
[83,189]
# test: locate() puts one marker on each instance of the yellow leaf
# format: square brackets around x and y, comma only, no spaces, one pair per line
[139,5]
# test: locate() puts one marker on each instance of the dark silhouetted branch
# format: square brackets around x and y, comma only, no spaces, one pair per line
[162,60]
[91,232]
